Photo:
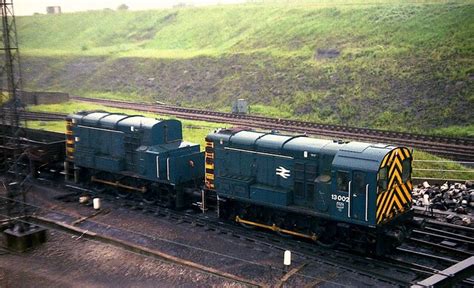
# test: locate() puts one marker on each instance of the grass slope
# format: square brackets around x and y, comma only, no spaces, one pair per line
[357,29]
[390,64]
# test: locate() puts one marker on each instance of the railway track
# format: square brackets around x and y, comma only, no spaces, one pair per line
[393,270]
[259,240]
[34,116]
[447,238]
[460,149]
[59,222]
[96,230]
[456,148]
[410,264]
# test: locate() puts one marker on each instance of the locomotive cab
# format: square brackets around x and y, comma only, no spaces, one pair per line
[371,186]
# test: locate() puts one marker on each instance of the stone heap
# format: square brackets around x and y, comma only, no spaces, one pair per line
[455,197]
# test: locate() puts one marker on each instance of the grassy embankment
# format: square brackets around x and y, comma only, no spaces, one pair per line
[390,64]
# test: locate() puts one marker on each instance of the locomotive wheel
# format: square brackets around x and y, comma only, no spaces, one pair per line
[247,226]
[327,242]
[371,244]
[122,193]
[149,197]
[101,188]
[170,198]
[328,238]
[246,213]
[281,222]
[98,190]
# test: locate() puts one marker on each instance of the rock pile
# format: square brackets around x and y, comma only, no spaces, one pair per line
[457,197]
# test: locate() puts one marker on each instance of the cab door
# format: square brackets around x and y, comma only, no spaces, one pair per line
[304,184]
[358,196]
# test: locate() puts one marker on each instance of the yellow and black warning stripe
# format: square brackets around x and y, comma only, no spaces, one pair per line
[209,166]
[70,149]
[397,198]
[69,140]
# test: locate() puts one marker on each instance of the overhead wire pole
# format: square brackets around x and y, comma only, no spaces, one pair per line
[11,89]
[19,236]
[3,99]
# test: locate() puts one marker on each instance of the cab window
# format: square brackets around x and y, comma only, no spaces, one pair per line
[359,181]
[342,181]
[406,170]
[382,179]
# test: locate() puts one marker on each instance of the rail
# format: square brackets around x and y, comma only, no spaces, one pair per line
[449,276]
[454,148]
[443,170]
[461,149]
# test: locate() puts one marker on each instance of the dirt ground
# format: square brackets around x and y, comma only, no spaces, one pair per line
[66,260]
[70,261]
[74,261]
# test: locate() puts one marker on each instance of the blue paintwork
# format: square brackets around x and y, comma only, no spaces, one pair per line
[134,145]
[282,171]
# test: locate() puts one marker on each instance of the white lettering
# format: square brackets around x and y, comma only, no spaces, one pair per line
[339,198]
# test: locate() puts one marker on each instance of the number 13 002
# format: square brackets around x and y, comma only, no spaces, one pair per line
[339,198]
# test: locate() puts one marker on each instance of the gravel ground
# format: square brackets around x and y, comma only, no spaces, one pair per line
[209,248]
[67,261]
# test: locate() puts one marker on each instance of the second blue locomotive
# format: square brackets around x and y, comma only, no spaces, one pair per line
[133,154]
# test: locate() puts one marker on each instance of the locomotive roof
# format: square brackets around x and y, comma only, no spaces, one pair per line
[361,156]
[156,131]
[353,155]
[113,120]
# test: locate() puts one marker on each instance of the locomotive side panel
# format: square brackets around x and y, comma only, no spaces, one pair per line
[233,172]
[186,167]
[273,181]
[99,148]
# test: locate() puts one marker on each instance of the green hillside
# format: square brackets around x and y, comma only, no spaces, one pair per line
[387,65]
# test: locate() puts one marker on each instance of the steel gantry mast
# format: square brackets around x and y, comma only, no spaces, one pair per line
[10,76]
[20,234]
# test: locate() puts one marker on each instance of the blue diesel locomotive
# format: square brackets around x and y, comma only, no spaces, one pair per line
[133,153]
[318,189]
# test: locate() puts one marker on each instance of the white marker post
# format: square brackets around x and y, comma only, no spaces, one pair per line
[287,259]
[96,203]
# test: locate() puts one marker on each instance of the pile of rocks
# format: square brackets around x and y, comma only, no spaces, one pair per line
[456,197]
